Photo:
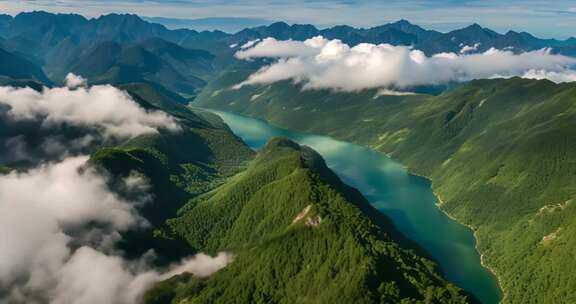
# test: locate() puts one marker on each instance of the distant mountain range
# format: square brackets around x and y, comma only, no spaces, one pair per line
[55,44]
[48,30]
[225,24]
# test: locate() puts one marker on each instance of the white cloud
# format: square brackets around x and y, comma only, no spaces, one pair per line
[73,81]
[38,207]
[201,265]
[469,48]
[249,43]
[561,76]
[102,107]
[386,92]
[320,63]
[271,47]
[52,251]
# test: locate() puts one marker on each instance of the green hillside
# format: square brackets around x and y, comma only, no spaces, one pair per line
[154,61]
[208,198]
[298,235]
[500,153]
[15,67]
[178,165]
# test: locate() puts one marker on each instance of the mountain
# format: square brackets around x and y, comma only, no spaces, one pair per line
[48,38]
[392,33]
[45,29]
[225,24]
[188,62]
[5,21]
[403,32]
[150,61]
[499,152]
[14,67]
[298,234]
[55,42]
[178,167]
[285,204]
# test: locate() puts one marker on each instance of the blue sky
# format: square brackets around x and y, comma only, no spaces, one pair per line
[552,18]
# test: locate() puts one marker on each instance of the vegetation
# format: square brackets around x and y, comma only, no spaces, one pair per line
[14,67]
[177,165]
[298,235]
[500,153]
[4,170]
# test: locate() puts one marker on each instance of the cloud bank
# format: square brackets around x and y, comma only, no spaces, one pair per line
[319,63]
[103,107]
[59,224]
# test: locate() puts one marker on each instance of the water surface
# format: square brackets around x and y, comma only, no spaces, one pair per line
[406,199]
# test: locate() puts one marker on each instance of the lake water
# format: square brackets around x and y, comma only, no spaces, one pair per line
[406,199]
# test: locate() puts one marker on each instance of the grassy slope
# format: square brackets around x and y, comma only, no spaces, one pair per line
[500,153]
[337,251]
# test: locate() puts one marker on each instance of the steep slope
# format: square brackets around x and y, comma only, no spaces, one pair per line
[178,166]
[57,40]
[188,62]
[501,155]
[299,235]
[111,62]
[5,21]
[15,67]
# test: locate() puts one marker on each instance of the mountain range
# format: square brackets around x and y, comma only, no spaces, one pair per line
[499,152]
[56,42]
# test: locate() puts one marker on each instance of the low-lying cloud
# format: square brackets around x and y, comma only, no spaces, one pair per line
[103,107]
[59,224]
[319,63]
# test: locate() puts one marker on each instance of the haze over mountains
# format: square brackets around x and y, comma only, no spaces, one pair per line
[225,24]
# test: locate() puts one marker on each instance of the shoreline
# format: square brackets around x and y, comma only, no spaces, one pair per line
[438,204]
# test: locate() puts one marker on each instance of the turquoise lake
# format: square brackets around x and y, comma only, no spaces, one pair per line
[406,199]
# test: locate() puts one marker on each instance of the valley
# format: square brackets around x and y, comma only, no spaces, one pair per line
[504,139]
[406,199]
[284,162]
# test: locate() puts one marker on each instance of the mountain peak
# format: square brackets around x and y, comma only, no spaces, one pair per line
[474,26]
[402,22]
[279,25]
[115,16]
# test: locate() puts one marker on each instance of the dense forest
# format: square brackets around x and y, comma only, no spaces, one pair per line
[299,235]
[500,154]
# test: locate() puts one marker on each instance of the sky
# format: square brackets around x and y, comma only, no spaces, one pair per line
[544,18]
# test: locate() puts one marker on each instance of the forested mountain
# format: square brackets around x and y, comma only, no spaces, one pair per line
[155,61]
[15,67]
[500,154]
[204,196]
[299,235]
[61,43]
